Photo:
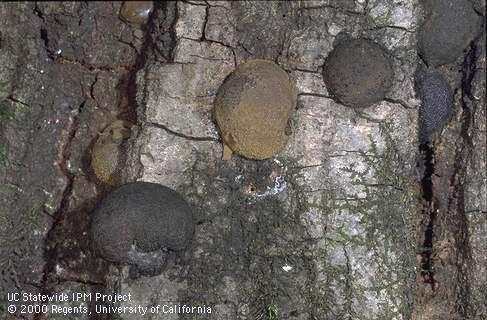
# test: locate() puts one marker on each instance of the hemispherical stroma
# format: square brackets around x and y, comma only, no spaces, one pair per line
[437,103]
[358,72]
[448,28]
[138,223]
[253,109]
[105,155]
[136,12]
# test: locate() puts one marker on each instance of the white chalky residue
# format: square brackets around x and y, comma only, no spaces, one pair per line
[279,186]
[287,268]
[334,29]
[58,269]
[280,183]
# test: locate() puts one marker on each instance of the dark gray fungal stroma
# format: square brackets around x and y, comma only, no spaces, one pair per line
[437,103]
[448,28]
[139,223]
[358,72]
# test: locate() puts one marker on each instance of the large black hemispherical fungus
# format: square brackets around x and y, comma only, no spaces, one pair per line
[358,72]
[448,28]
[437,103]
[139,223]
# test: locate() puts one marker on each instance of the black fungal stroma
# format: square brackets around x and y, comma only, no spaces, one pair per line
[139,223]
[437,103]
[358,72]
[448,28]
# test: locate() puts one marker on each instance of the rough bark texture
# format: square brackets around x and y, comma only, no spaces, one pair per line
[339,225]
[446,288]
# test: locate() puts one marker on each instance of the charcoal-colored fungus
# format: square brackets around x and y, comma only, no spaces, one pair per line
[437,103]
[139,223]
[106,155]
[358,72]
[448,28]
[136,12]
[253,109]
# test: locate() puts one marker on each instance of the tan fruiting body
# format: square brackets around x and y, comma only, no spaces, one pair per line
[253,108]
[136,12]
[105,154]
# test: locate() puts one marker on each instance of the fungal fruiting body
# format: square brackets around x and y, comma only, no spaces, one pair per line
[139,223]
[253,108]
[437,103]
[358,72]
[448,28]
[136,12]
[105,154]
